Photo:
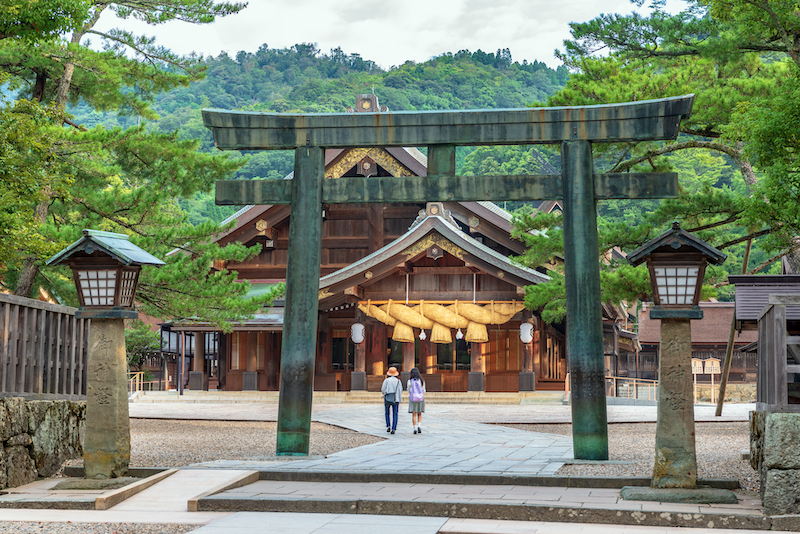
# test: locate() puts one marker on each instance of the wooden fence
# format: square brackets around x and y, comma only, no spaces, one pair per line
[778,358]
[43,350]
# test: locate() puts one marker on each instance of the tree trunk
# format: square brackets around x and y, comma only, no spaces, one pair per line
[793,258]
[29,268]
[39,86]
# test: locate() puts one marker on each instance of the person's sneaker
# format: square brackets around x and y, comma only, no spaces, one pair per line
[419,430]
[392,431]
[388,429]
[415,431]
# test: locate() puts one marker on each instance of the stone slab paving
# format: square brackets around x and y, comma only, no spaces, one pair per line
[444,447]
[276,523]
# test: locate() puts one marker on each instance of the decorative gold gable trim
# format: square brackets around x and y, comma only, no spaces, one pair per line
[379,155]
[431,240]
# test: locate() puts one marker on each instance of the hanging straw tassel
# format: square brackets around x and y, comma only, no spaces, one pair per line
[403,332]
[476,333]
[440,334]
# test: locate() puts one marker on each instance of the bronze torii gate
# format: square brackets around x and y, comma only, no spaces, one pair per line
[574,128]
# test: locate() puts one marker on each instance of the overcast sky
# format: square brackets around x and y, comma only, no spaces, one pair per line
[388,32]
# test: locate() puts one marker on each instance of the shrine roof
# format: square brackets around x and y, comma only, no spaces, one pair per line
[399,250]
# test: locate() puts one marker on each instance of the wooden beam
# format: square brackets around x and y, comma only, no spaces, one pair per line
[630,121]
[356,291]
[444,188]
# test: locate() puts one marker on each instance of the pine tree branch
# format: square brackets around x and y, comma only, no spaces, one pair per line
[732,218]
[674,147]
[745,238]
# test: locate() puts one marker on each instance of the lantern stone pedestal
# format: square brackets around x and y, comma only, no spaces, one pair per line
[107,449]
[676,458]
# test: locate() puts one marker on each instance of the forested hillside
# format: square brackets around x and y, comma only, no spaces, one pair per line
[303,79]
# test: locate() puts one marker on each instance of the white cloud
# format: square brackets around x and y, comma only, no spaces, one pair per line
[387,32]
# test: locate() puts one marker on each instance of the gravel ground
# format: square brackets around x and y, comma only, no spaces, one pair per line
[174,443]
[719,451]
[28,527]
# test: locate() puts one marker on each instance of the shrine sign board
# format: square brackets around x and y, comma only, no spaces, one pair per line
[575,128]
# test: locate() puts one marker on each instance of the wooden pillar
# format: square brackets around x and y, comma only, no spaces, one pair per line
[181,363]
[223,359]
[302,298]
[427,357]
[198,380]
[376,348]
[527,378]
[375,227]
[358,378]
[584,318]
[250,373]
[476,380]
[197,359]
[325,357]
[272,355]
[408,357]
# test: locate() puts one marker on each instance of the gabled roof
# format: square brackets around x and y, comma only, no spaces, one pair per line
[437,230]
[672,240]
[115,245]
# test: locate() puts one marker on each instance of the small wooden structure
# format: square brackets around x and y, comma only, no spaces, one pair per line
[778,387]
[43,350]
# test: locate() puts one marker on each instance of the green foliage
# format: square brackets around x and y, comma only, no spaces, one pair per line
[140,342]
[34,20]
[31,165]
[769,131]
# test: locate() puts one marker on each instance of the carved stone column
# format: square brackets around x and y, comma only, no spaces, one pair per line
[676,459]
[107,447]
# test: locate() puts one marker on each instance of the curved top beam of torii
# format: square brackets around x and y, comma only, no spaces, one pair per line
[630,121]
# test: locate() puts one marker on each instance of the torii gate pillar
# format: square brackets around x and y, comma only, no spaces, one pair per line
[302,290]
[584,315]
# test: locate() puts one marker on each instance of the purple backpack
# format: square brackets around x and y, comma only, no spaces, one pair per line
[415,393]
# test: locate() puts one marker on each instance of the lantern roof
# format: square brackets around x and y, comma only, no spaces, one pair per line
[115,245]
[676,240]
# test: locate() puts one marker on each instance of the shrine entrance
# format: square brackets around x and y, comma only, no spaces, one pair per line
[574,128]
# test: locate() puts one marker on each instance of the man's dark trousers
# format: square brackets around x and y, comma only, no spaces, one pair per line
[395,406]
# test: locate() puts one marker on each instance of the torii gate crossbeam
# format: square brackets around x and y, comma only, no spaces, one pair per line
[575,128]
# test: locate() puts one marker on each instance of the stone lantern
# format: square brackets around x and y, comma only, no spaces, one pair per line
[677,261]
[106,269]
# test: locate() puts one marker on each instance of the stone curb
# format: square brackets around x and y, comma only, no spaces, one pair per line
[477,480]
[112,498]
[238,482]
[81,503]
[475,510]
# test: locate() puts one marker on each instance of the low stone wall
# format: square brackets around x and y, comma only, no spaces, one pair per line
[733,392]
[775,455]
[38,436]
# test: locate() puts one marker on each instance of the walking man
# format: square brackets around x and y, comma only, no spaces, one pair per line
[392,390]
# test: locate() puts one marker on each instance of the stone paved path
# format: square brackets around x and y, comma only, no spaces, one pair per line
[446,446]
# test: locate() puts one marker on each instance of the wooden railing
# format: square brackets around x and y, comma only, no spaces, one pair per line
[137,383]
[631,388]
[43,349]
